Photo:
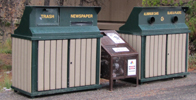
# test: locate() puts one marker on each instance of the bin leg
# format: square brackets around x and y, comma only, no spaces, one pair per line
[111,84]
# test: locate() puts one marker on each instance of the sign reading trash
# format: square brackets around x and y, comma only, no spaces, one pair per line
[131,67]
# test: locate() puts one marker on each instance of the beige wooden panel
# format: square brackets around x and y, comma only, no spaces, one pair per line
[139,53]
[147,57]
[180,53]
[25,64]
[123,36]
[155,73]
[93,61]
[169,51]
[58,63]
[77,63]
[17,62]
[130,40]
[109,25]
[40,65]
[173,54]
[151,55]
[29,65]
[52,64]
[20,64]
[13,61]
[126,38]
[83,62]
[183,52]
[176,53]
[72,63]
[47,65]
[64,64]
[159,58]
[134,42]
[88,61]
[163,54]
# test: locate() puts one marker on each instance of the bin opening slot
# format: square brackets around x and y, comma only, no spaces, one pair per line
[89,23]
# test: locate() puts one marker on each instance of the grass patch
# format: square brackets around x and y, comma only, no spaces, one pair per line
[7,67]
[192,62]
[7,82]
[6,47]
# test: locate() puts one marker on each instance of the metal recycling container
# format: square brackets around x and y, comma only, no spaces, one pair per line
[118,59]
[56,49]
[160,36]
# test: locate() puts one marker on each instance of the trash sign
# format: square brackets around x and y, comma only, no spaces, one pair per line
[131,70]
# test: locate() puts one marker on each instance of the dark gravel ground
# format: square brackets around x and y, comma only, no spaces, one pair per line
[170,89]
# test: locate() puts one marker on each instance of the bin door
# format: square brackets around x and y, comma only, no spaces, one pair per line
[82,67]
[176,52]
[155,55]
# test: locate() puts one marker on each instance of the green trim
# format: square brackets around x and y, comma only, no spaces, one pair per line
[56,37]
[143,48]
[187,43]
[98,61]
[166,54]
[153,33]
[48,92]
[163,77]
[21,91]
[68,61]
[34,70]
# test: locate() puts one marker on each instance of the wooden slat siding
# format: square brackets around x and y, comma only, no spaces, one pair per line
[134,42]
[123,36]
[25,64]
[176,53]
[22,64]
[29,65]
[187,54]
[19,62]
[173,54]
[183,52]
[88,61]
[13,62]
[147,57]
[155,70]
[93,61]
[127,38]
[151,55]
[180,53]
[46,65]
[83,62]
[163,54]
[64,64]
[139,53]
[77,63]
[58,64]
[40,65]
[72,63]
[53,64]
[159,58]
[130,40]
[169,51]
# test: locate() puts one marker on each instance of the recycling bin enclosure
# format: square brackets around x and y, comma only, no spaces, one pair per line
[118,59]
[55,50]
[160,36]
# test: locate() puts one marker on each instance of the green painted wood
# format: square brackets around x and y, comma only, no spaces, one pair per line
[138,21]
[58,22]
[163,77]
[34,69]
[98,61]
[36,93]
[143,49]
